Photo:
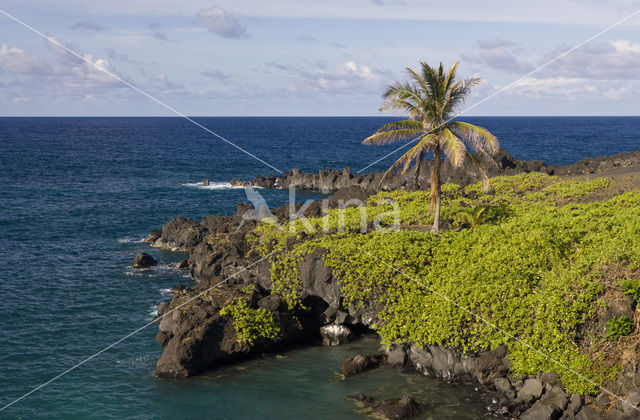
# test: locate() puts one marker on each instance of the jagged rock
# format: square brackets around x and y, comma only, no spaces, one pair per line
[575,402]
[359,363]
[531,390]
[183,265]
[181,234]
[334,335]
[205,183]
[541,411]
[153,236]
[143,260]
[550,378]
[398,408]
[556,397]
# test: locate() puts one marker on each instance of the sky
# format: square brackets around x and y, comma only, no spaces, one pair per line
[310,57]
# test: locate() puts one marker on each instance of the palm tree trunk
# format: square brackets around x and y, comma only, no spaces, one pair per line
[435,189]
[417,175]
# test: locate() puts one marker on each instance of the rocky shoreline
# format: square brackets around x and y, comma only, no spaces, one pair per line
[197,329]
[502,163]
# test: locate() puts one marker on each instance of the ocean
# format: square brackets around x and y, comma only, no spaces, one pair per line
[80,194]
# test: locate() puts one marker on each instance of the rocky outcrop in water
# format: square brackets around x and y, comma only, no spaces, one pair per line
[197,337]
[359,363]
[143,260]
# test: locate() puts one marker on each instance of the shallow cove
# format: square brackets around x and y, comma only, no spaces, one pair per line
[302,383]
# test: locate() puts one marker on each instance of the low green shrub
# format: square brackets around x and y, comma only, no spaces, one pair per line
[619,327]
[527,277]
[632,288]
[250,324]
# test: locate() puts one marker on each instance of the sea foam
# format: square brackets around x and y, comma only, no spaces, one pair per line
[212,186]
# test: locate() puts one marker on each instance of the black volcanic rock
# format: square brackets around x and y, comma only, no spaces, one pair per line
[142,260]
[359,363]
[196,337]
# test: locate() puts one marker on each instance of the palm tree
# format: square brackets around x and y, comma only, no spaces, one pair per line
[431,99]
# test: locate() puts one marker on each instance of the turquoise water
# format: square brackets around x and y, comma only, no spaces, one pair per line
[79,194]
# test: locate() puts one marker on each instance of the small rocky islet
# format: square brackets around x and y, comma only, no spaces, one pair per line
[235,310]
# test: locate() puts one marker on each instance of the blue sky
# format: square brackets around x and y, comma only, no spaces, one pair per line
[313,58]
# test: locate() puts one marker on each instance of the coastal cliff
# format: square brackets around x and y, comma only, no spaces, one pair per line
[259,290]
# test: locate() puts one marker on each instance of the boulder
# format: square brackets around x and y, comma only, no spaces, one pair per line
[555,397]
[334,335]
[359,363]
[575,403]
[143,260]
[398,408]
[550,378]
[541,411]
[531,390]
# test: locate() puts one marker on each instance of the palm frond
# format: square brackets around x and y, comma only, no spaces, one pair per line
[395,131]
[454,148]
[483,172]
[479,138]
[425,143]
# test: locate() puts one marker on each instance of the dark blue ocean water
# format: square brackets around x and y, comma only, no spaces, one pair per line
[78,195]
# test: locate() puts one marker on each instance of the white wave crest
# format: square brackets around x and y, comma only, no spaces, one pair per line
[130,240]
[212,186]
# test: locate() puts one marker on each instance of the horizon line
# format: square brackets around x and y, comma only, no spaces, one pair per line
[308,116]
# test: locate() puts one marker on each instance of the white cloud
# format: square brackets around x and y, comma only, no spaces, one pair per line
[18,62]
[612,60]
[499,54]
[219,22]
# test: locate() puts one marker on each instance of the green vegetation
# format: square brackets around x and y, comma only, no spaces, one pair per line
[431,101]
[619,327]
[632,288]
[251,324]
[472,216]
[531,268]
